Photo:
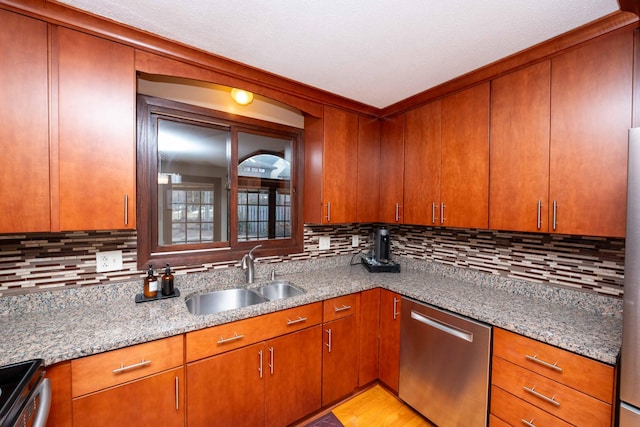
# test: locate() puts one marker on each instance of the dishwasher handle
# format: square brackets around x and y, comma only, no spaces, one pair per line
[442,326]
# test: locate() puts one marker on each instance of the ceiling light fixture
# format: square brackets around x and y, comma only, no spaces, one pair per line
[242,97]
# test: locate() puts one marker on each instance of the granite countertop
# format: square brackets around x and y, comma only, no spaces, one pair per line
[63,325]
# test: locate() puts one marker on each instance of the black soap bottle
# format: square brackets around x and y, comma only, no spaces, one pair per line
[150,284]
[167,282]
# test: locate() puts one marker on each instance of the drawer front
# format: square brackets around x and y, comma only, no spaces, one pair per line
[516,412]
[496,422]
[218,339]
[586,375]
[557,399]
[93,373]
[337,308]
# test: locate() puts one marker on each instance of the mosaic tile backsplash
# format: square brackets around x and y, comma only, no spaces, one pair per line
[36,262]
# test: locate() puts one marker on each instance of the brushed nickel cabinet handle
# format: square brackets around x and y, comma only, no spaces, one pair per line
[271,354]
[539,223]
[223,340]
[539,395]
[397,212]
[260,366]
[177,395]
[126,209]
[434,215]
[442,206]
[328,344]
[123,368]
[298,320]
[395,308]
[528,423]
[343,308]
[555,214]
[535,359]
[328,211]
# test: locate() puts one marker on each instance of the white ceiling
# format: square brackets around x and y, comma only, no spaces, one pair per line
[374,51]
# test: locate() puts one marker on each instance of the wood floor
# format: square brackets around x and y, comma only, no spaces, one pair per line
[376,407]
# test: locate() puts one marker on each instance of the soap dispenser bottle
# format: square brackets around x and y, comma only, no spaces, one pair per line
[150,284]
[167,282]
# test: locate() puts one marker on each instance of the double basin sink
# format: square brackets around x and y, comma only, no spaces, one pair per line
[229,299]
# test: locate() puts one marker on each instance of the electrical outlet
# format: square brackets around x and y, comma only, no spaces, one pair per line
[324,242]
[108,261]
[355,241]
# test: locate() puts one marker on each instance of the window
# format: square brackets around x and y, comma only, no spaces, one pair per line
[193,206]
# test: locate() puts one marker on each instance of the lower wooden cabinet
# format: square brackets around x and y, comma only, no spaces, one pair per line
[155,400]
[339,359]
[271,383]
[389,371]
[536,383]
[368,327]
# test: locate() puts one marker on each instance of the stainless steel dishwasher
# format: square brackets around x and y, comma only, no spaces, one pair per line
[444,365]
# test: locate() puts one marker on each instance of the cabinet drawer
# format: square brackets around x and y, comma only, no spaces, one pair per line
[557,399]
[586,375]
[337,308]
[516,412]
[218,339]
[100,371]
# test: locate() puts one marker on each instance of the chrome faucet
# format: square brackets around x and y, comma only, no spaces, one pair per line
[247,264]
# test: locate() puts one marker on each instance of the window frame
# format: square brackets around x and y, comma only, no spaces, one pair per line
[149,252]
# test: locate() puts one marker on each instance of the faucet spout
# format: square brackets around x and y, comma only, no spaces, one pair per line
[247,264]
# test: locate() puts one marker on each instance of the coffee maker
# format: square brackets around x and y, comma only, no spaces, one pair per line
[378,260]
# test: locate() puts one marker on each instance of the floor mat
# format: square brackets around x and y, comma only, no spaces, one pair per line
[327,420]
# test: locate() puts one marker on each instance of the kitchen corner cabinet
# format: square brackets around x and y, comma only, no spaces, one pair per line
[389,371]
[392,170]
[331,167]
[544,385]
[464,184]
[368,192]
[60,413]
[96,157]
[138,385]
[422,154]
[591,102]
[519,158]
[340,349]
[24,133]
[258,371]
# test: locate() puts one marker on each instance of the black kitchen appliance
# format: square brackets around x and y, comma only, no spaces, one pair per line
[379,258]
[25,394]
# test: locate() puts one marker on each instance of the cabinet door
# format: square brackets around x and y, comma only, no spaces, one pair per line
[422,165]
[340,166]
[96,133]
[60,411]
[464,190]
[591,95]
[519,159]
[368,330]
[368,192]
[339,359]
[227,389]
[390,304]
[392,170]
[155,400]
[24,129]
[293,376]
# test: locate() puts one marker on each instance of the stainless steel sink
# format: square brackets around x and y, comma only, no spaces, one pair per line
[217,301]
[279,290]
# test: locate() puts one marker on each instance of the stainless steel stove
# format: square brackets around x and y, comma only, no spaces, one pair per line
[25,395]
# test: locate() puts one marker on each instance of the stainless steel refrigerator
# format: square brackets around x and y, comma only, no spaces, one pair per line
[630,359]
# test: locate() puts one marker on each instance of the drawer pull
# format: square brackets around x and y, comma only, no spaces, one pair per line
[528,423]
[343,308]
[298,320]
[223,340]
[123,368]
[551,400]
[553,366]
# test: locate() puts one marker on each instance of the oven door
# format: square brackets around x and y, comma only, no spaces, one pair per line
[35,411]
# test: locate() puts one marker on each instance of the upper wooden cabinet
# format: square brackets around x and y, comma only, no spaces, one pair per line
[519,159]
[464,185]
[422,165]
[24,133]
[392,170]
[96,132]
[331,167]
[368,169]
[591,97]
